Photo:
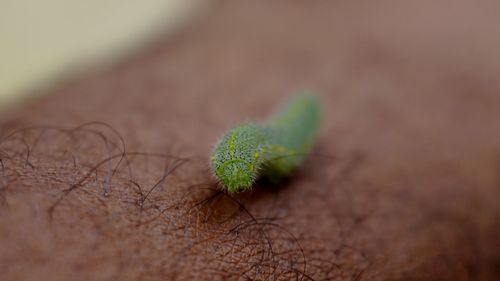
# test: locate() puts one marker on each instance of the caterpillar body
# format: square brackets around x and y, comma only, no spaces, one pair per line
[271,150]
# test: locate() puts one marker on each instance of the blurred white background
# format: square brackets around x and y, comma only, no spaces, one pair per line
[43,41]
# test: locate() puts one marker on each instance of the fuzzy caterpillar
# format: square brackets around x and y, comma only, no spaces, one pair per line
[271,150]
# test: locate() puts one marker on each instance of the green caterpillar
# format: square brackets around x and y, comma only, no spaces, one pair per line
[271,150]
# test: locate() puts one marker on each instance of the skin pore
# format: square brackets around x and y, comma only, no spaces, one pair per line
[107,177]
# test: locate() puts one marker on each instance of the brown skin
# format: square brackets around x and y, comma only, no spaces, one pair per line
[402,185]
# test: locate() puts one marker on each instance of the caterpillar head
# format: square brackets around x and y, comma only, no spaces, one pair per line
[236,175]
[234,162]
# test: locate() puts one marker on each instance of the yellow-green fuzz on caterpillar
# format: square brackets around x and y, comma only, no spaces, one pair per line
[271,150]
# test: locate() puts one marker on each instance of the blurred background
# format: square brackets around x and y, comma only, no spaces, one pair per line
[48,41]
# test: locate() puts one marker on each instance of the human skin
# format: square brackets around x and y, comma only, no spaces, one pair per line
[109,179]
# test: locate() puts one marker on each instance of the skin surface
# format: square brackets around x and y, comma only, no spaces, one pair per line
[406,187]
[273,149]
